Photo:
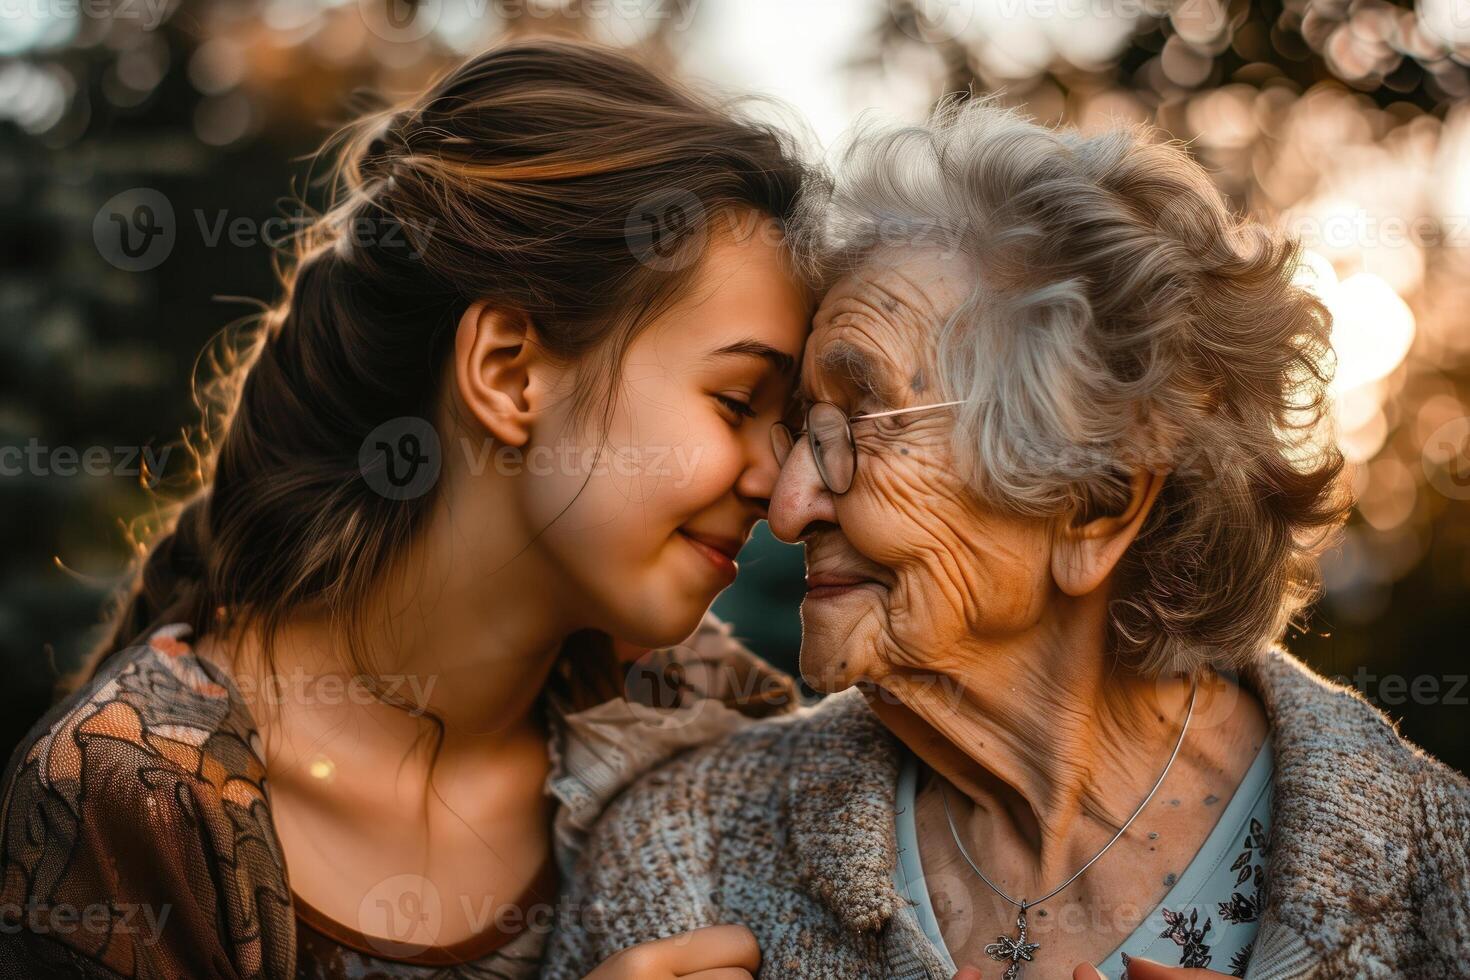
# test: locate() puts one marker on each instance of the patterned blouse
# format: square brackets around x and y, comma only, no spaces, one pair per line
[136,838]
[1207,919]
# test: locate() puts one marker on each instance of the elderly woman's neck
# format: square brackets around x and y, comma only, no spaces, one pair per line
[1046,731]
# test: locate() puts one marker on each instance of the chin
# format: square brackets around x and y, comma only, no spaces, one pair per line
[839,637]
[663,621]
[667,632]
[829,664]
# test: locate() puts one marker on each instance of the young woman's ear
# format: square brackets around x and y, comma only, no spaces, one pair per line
[500,371]
[1084,554]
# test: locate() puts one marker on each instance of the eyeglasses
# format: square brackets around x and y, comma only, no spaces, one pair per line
[829,435]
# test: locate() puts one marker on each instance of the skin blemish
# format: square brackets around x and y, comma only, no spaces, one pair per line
[1153,835]
[903,452]
[1170,878]
[1211,800]
[918,383]
[1173,802]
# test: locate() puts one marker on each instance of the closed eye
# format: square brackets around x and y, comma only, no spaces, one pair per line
[741,409]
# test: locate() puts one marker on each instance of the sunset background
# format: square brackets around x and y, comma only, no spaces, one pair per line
[1347,123]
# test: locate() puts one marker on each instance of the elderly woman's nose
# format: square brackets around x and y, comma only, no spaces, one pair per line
[800,499]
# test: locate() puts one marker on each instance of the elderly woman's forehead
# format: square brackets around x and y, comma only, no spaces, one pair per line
[924,284]
[875,325]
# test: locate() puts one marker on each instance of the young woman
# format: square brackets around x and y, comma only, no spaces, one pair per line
[514,403]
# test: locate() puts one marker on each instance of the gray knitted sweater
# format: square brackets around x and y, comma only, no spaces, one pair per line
[788,827]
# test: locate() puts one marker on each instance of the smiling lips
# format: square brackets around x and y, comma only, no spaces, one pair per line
[831,585]
[720,551]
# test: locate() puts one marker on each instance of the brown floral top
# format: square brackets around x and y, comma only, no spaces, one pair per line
[136,838]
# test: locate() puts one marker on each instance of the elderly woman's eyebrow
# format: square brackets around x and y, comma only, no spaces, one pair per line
[783,362]
[853,364]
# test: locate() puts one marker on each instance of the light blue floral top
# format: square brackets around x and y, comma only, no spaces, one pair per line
[1207,919]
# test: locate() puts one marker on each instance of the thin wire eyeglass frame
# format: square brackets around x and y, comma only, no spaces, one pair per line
[789,437]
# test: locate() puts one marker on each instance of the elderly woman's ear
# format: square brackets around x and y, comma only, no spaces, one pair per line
[1085,552]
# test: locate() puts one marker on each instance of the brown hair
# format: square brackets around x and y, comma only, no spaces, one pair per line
[523,177]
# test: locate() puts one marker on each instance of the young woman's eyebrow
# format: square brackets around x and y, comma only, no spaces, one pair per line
[783,362]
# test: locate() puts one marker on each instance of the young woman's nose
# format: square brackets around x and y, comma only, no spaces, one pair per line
[758,480]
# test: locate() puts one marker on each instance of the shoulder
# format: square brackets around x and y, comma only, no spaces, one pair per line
[143,790]
[674,700]
[154,714]
[753,773]
[710,667]
[788,817]
[1332,718]
[1348,782]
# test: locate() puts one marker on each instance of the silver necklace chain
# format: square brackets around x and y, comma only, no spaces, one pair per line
[1018,949]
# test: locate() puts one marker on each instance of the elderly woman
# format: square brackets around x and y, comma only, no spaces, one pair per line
[1059,484]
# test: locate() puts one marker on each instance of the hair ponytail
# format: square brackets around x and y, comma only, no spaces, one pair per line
[168,584]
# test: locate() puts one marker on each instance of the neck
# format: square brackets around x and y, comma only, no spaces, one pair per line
[452,633]
[1044,739]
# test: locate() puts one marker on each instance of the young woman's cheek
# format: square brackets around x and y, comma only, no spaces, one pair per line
[705,467]
[681,452]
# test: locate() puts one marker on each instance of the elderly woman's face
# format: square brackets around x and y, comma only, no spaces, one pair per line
[908,560]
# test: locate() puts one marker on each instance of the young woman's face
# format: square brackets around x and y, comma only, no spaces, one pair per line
[642,524]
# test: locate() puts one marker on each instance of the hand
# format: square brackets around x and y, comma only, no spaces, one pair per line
[711,953]
[1141,969]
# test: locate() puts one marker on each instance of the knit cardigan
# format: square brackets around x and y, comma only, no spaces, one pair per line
[788,827]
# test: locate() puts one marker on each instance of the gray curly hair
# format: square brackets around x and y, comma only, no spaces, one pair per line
[1121,317]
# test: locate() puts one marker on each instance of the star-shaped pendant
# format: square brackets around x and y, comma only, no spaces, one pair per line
[1017,949]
